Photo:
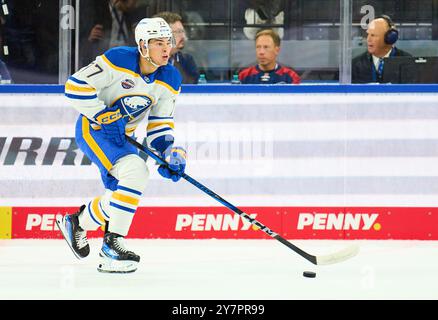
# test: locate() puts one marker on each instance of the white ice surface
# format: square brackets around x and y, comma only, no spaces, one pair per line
[221,269]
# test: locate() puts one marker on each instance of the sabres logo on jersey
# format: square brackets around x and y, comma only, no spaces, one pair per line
[128,84]
[133,105]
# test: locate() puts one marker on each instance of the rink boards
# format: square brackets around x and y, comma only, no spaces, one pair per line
[220,223]
[309,166]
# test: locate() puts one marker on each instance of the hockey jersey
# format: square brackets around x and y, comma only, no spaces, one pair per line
[280,74]
[114,81]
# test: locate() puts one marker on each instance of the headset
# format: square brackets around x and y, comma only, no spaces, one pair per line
[391,36]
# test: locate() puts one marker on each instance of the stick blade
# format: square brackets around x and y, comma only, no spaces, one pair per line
[339,256]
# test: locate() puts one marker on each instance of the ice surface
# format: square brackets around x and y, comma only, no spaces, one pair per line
[221,269]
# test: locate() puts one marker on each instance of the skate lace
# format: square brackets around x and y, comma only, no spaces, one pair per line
[81,239]
[119,245]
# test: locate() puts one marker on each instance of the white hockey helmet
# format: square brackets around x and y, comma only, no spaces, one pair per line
[152,28]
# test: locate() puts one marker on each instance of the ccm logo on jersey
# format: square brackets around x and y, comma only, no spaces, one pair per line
[109,117]
[338,221]
[44,222]
[207,222]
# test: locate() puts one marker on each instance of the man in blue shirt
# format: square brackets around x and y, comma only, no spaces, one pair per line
[184,62]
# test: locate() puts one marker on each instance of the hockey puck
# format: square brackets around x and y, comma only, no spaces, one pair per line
[309,274]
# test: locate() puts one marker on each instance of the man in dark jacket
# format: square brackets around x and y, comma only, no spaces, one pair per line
[382,35]
[184,62]
[111,26]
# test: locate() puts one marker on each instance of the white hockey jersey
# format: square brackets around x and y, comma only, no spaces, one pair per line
[114,81]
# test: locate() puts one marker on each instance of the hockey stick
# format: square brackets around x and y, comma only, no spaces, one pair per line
[336,257]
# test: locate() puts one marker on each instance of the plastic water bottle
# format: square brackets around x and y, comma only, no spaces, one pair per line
[5,80]
[202,79]
[235,79]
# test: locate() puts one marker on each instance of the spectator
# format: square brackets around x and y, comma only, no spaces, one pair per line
[184,62]
[381,39]
[5,77]
[267,69]
[112,26]
[30,34]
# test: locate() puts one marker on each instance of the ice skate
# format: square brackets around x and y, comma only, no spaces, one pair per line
[114,257]
[75,236]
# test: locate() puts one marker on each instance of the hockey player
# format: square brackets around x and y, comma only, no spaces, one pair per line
[113,95]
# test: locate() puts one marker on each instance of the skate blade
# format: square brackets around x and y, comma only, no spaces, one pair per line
[60,223]
[108,265]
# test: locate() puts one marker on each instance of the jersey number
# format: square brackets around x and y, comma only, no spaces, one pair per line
[94,73]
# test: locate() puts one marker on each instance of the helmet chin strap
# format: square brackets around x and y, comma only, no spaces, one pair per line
[146,56]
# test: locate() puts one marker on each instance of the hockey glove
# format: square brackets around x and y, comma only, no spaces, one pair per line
[113,125]
[176,158]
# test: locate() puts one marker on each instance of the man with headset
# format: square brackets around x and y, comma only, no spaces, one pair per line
[382,35]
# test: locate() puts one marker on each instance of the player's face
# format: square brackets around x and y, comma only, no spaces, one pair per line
[159,50]
[266,50]
[376,35]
